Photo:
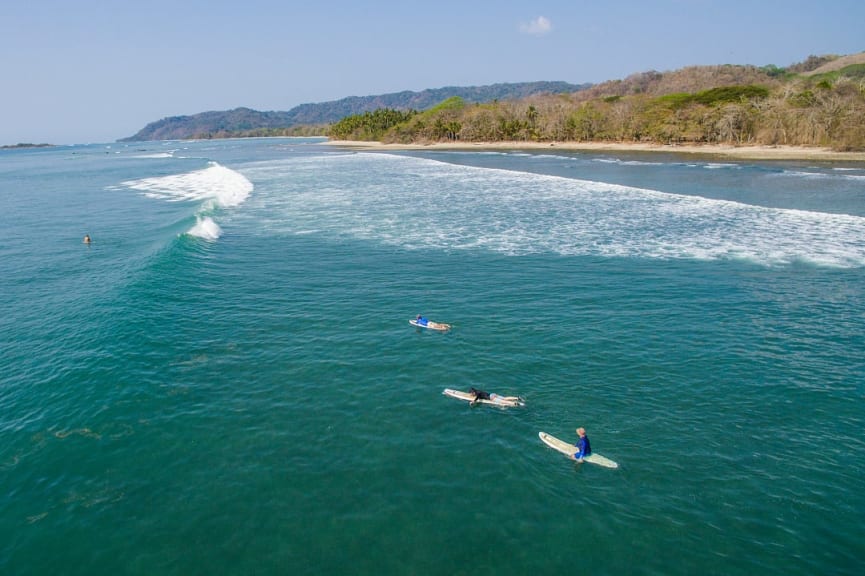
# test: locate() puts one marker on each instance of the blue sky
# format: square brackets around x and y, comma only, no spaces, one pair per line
[95,71]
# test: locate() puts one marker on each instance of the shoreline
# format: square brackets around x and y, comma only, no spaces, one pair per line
[760,152]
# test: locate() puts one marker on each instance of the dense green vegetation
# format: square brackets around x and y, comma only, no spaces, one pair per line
[854,71]
[369,125]
[713,96]
[291,131]
[809,104]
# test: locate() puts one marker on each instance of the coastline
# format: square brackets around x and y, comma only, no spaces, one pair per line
[713,150]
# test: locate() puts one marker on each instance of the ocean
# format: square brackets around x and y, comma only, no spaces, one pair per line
[225,381]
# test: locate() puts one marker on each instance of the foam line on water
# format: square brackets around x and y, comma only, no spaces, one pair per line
[423,203]
[836,175]
[155,155]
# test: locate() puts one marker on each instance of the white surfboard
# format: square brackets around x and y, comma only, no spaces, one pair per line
[569,450]
[431,325]
[468,397]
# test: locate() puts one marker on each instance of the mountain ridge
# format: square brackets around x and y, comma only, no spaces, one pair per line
[238,120]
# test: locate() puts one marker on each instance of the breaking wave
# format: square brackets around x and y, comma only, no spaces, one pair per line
[216,186]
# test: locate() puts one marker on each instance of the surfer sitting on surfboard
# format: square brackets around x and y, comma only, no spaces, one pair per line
[421,320]
[584,447]
[481,395]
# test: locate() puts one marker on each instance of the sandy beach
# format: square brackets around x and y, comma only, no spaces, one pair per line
[721,151]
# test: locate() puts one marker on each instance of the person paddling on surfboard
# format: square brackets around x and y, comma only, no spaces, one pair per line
[584,447]
[481,395]
[422,322]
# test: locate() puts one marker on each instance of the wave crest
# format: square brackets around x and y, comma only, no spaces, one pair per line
[223,186]
[216,186]
[205,228]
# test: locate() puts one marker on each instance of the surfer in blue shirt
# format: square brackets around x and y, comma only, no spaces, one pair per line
[584,447]
[421,320]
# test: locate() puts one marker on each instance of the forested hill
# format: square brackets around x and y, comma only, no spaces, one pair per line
[245,122]
[818,102]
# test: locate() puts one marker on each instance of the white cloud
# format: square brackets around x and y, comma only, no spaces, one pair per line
[537,27]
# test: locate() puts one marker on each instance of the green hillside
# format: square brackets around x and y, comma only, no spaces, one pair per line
[308,119]
[819,102]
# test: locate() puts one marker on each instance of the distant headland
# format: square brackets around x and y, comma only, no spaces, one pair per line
[25,145]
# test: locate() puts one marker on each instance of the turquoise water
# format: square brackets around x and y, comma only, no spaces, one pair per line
[225,381]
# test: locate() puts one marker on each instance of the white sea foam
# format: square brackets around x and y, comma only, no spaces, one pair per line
[205,228]
[805,174]
[223,186]
[661,164]
[859,177]
[216,186]
[156,155]
[421,203]
[621,162]
[835,175]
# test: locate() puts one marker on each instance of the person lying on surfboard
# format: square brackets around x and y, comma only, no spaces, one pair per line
[584,447]
[422,321]
[481,395]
